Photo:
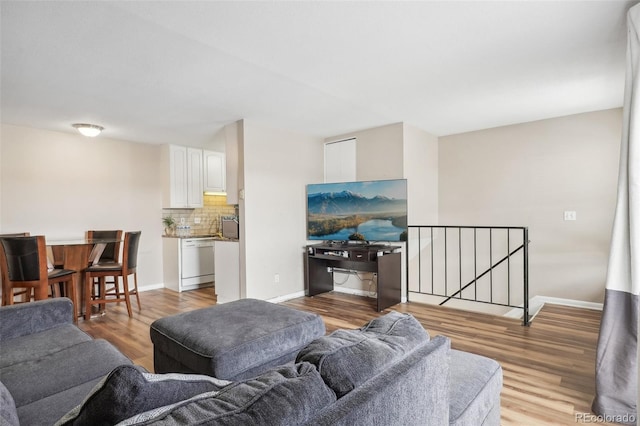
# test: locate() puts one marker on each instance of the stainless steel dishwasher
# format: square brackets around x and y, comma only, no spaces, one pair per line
[197,262]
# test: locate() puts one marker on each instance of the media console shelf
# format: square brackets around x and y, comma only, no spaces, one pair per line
[383,260]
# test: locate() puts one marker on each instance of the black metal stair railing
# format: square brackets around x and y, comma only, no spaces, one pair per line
[444,262]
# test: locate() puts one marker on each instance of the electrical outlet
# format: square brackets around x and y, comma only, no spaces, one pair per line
[196,220]
[570,215]
[276,278]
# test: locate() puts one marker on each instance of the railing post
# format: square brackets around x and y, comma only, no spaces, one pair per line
[525,242]
[431,249]
[446,268]
[419,262]
[491,263]
[509,267]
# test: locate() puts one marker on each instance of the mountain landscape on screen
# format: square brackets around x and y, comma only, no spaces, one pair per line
[368,211]
[347,202]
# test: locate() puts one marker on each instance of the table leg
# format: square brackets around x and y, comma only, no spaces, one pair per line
[76,257]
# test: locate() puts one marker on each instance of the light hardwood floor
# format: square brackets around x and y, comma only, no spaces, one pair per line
[548,367]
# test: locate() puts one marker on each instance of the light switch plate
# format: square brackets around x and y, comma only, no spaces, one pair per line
[570,215]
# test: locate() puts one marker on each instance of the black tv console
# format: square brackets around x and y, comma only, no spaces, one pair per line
[384,260]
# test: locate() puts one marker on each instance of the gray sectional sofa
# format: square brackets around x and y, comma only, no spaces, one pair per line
[47,364]
[389,372]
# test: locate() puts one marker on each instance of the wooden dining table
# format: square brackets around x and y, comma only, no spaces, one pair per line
[76,254]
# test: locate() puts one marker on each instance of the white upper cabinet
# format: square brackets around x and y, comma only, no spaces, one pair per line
[232,161]
[182,177]
[194,179]
[214,171]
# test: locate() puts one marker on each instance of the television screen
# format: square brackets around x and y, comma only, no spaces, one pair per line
[357,211]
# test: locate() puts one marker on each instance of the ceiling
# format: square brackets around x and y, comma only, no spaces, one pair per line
[177,71]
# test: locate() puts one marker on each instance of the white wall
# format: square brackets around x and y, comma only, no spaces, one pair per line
[60,185]
[528,175]
[420,168]
[378,152]
[277,165]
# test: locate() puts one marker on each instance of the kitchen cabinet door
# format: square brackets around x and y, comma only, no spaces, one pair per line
[175,172]
[214,171]
[195,178]
[182,177]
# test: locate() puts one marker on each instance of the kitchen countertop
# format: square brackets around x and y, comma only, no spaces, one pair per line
[216,237]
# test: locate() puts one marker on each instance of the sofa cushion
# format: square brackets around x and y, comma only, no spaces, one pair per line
[287,395]
[45,411]
[29,318]
[8,412]
[348,358]
[411,392]
[32,380]
[130,390]
[474,391]
[39,345]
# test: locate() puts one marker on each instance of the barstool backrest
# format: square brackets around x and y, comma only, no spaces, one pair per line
[131,242]
[111,252]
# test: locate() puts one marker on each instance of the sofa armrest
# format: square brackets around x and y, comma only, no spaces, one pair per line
[29,318]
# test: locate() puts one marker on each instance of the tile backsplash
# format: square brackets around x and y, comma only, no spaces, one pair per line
[215,207]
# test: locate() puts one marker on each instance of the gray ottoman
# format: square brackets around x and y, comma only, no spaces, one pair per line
[233,341]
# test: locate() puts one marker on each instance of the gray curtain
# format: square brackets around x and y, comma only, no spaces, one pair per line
[617,354]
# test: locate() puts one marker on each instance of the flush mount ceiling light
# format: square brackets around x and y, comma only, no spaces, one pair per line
[91,130]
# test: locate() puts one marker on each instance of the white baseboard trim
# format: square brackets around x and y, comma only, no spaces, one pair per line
[570,302]
[537,302]
[286,297]
[150,287]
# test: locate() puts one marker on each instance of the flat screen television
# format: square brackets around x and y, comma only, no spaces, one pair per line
[357,211]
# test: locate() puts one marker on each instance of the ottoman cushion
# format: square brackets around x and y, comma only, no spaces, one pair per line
[474,392]
[233,341]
